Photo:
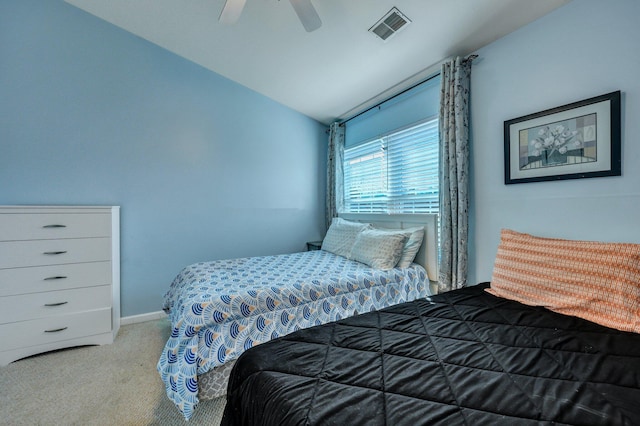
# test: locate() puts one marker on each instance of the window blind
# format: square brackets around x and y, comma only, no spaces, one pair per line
[396,173]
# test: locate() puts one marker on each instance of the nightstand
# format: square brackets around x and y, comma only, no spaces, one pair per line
[314,245]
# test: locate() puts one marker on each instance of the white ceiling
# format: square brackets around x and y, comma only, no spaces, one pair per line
[334,71]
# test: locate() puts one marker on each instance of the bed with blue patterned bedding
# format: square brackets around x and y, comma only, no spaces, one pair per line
[221,308]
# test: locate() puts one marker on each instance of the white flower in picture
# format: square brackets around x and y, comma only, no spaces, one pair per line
[557,140]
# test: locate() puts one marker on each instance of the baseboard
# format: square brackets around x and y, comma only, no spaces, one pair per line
[151,316]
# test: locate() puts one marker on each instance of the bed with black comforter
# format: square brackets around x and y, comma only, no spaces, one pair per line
[461,358]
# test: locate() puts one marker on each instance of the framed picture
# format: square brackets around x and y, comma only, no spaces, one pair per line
[579,140]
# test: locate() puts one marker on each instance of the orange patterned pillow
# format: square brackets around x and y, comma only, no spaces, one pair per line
[599,282]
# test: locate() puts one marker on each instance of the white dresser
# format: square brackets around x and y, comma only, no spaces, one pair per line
[59,278]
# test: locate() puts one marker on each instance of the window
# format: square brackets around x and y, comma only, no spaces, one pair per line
[396,173]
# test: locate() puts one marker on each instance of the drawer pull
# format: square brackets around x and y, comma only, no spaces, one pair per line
[55,226]
[54,252]
[57,277]
[56,330]
[56,304]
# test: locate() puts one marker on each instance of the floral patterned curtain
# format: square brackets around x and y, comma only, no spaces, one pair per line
[454,173]
[335,192]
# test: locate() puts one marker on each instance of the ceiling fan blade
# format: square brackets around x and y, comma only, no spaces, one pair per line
[307,14]
[231,11]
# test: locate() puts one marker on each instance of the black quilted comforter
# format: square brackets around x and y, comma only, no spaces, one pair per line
[459,358]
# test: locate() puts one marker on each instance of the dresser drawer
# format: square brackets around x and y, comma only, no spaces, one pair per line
[41,305]
[41,226]
[18,254]
[16,281]
[53,329]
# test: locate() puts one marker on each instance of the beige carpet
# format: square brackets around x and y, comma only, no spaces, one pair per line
[113,384]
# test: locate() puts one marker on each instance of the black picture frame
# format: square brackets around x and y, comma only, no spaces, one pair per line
[573,141]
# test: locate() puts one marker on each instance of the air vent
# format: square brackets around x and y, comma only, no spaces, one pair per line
[389,24]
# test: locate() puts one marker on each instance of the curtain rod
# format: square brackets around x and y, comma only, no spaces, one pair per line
[342,123]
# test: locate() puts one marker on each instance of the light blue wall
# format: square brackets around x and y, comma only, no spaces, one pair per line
[584,49]
[202,167]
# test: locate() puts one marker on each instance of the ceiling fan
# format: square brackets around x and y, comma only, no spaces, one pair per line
[304,9]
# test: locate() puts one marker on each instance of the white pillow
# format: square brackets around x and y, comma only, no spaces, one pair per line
[411,247]
[341,236]
[379,249]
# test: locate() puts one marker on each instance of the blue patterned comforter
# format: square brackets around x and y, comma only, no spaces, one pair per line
[221,308]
